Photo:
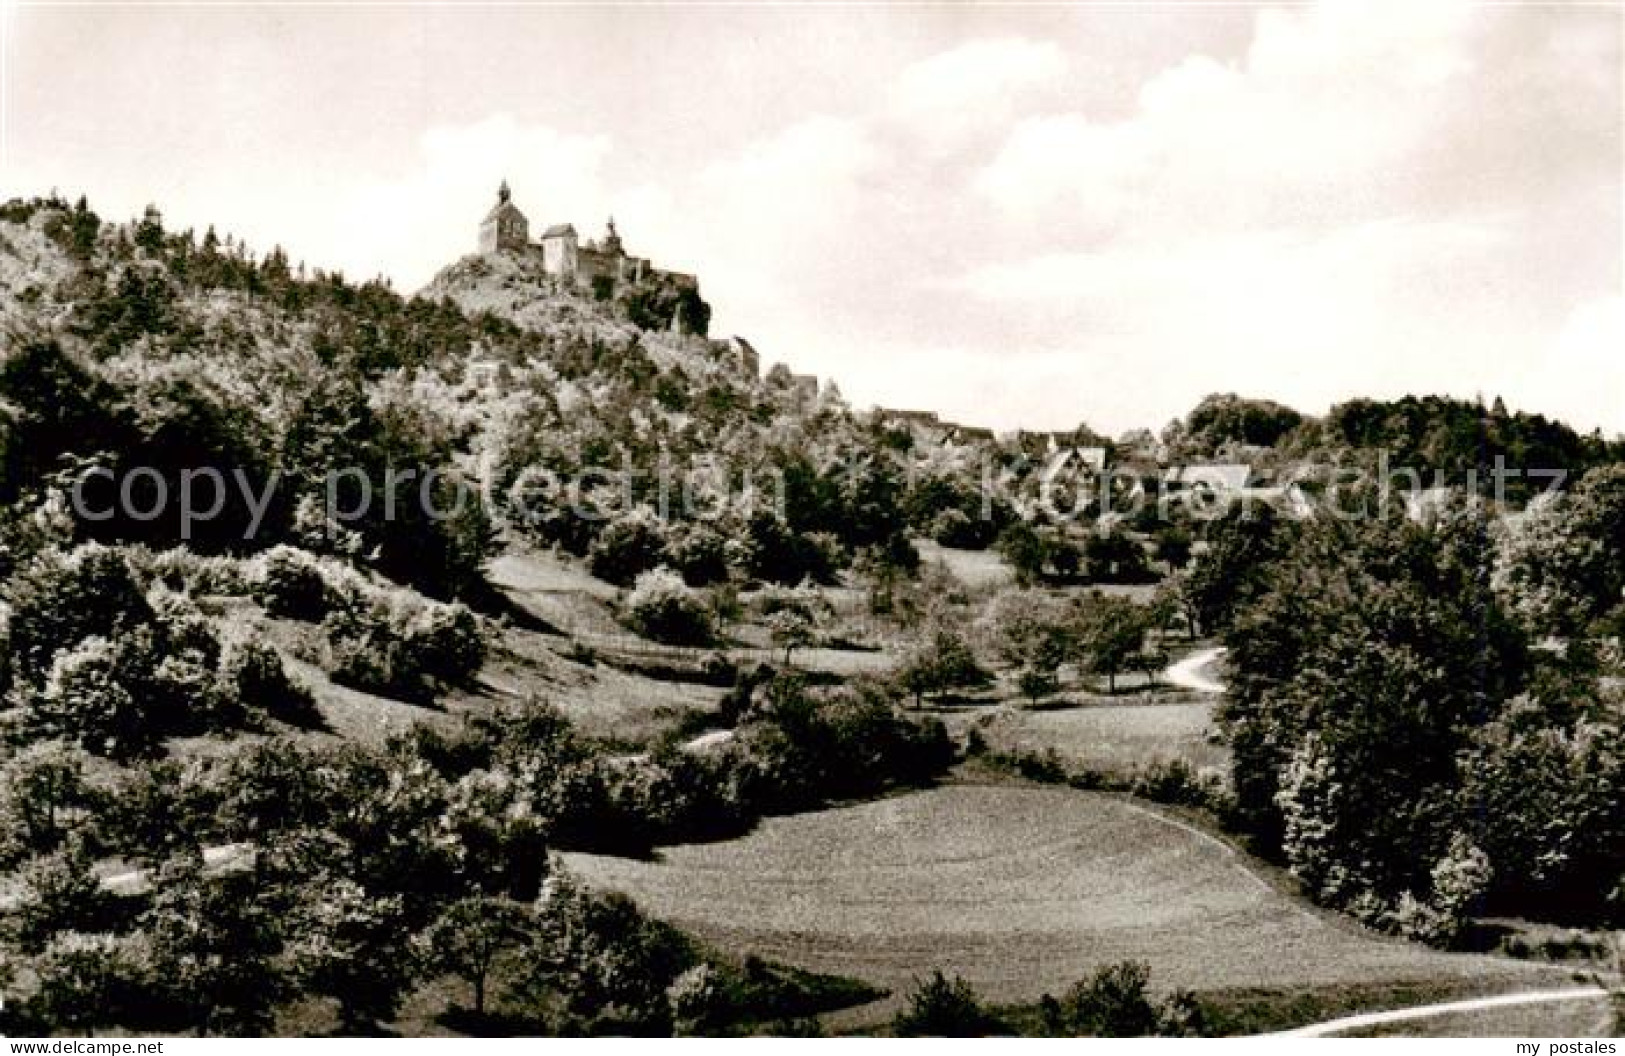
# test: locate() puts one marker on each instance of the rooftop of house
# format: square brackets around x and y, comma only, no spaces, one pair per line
[1231,476]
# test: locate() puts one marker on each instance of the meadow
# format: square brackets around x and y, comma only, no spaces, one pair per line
[1021,890]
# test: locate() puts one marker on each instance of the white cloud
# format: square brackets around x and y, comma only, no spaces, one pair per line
[952,100]
[1337,112]
[1374,199]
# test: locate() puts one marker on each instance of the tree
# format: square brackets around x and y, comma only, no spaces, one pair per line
[214,943]
[1114,1003]
[1371,652]
[1030,632]
[1229,419]
[469,938]
[289,583]
[607,964]
[700,553]
[1110,632]
[778,553]
[793,616]
[99,694]
[157,811]
[1036,684]
[1538,793]
[1173,546]
[1173,599]
[60,407]
[941,662]
[1023,549]
[60,599]
[1115,557]
[1242,545]
[1150,661]
[60,893]
[1561,566]
[40,790]
[354,947]
[252,674]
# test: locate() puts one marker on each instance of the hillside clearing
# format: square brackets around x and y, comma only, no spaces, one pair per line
[1021,890]
[1113,738]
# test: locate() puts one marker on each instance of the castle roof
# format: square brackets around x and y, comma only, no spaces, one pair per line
[503,209]
[559,231]
[504,206]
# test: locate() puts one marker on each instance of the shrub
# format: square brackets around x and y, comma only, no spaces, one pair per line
[60,599]
[289,583]
[701,555]
[86,981]
[187,572]
[957,529]
[448,641]
[695,998]
[1035,685]
[1460,879]
[185,687]
[774,552]
[403,645]
[253,673]
[797,748]
[42,795]
[944,1008]
[794,616]
[627,548]
[661,606]
[1174,782]
[1113,1003]
[86,699]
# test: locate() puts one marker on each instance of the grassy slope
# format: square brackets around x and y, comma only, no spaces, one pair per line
[1020,889]
[1114,738]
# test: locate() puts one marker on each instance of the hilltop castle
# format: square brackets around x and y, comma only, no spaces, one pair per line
[604,267]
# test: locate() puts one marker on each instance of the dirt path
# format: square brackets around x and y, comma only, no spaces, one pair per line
[1194,672]
[1364,1020]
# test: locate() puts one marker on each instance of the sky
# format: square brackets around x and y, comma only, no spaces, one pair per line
[1031,216]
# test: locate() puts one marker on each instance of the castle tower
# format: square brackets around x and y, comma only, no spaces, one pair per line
[504,227]
[560,250]
[612,241]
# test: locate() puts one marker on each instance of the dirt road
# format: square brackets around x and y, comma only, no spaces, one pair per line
[1194,672]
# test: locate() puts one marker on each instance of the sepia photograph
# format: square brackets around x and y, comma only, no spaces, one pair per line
[817,520]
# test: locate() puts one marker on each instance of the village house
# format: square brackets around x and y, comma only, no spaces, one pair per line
[1218,479]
